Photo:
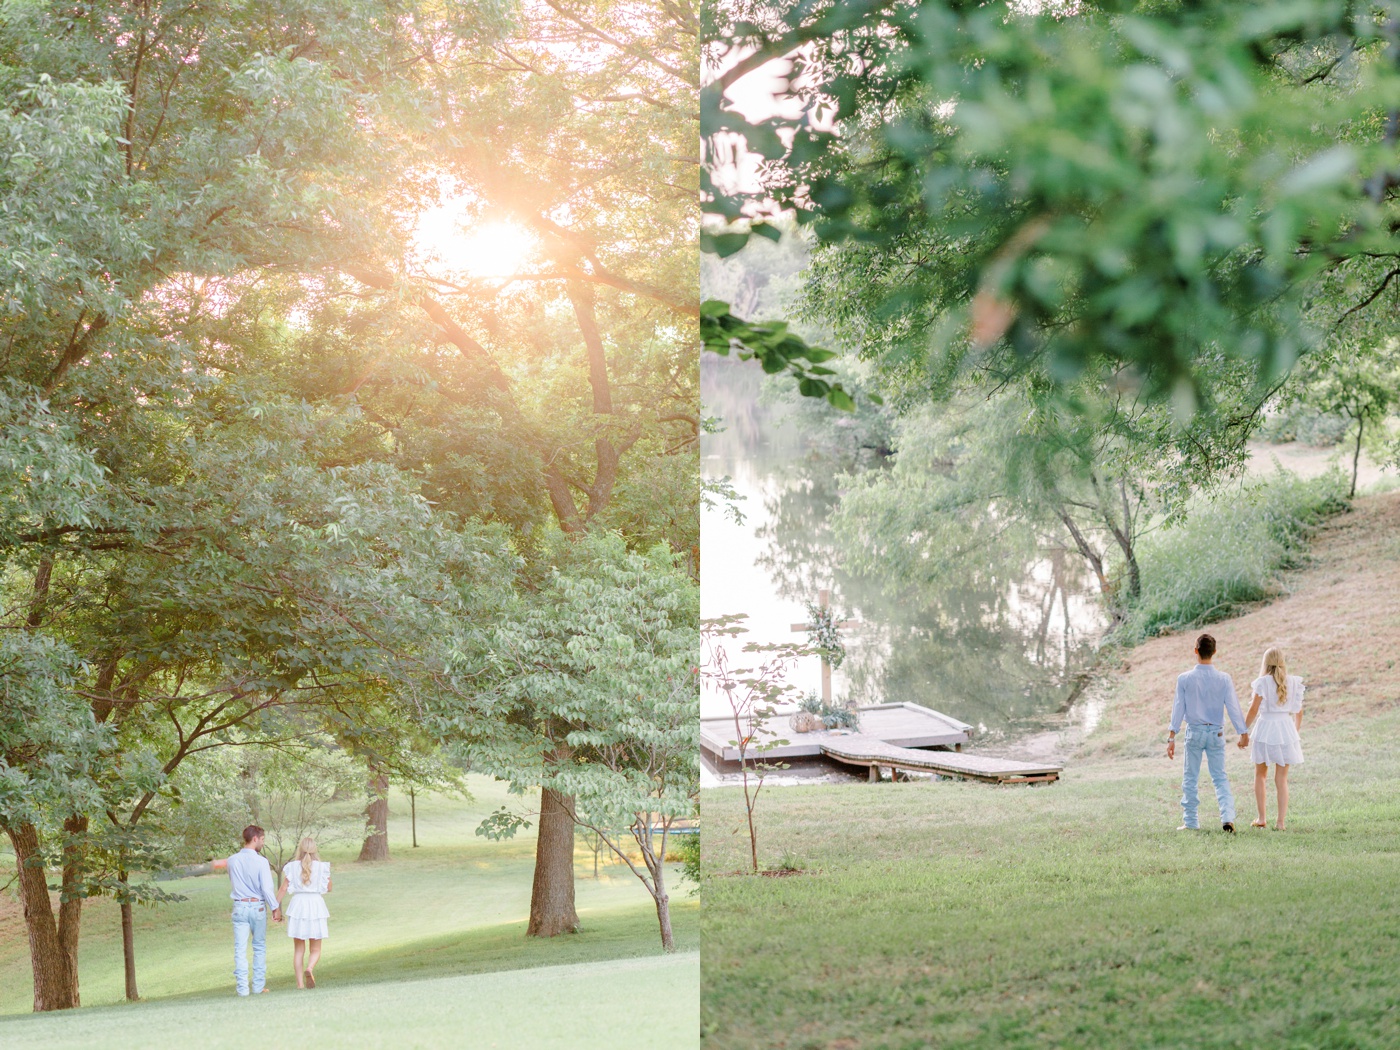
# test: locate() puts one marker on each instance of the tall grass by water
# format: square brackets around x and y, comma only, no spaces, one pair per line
[1229,552]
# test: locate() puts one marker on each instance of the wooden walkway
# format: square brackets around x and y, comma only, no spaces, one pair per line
[862,750]
[905,724]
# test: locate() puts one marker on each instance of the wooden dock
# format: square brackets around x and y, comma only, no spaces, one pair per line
[862,750]
[902,724]
[891,736]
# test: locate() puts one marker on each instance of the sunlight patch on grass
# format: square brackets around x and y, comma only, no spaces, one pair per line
[580,1006]
[456,905]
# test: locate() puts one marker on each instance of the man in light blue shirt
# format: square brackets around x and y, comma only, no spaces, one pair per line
[254,895]
[1203,696]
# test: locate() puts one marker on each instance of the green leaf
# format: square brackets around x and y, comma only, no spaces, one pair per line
[840,399]
[723,244]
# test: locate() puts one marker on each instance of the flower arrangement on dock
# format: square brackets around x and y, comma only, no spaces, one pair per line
[813,715]
[824,634]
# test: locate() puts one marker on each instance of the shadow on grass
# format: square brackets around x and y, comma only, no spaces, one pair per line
[604,935]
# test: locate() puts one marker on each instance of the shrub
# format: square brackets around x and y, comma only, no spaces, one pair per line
[831,716]
[1228,552]
[1306,425]
[791,862]
[688,850]
[839,717]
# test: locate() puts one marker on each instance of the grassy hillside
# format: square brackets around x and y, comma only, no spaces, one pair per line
[1074,915]
[456,905]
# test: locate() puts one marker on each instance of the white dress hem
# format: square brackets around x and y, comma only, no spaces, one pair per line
[306,912]
[1274,738]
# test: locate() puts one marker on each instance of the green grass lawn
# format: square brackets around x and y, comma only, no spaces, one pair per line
[405,933]
[583,1005]
[948,914]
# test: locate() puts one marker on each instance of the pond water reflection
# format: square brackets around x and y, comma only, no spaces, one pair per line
[1000,648]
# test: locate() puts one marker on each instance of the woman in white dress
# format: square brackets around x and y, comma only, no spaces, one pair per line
[308,878]
[1274,718]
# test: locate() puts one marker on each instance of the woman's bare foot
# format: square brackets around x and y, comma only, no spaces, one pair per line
[1258,824]
[310,979]
[1279,827]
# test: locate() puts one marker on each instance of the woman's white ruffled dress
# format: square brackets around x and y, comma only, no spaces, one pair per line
[306,912]
[1274,738]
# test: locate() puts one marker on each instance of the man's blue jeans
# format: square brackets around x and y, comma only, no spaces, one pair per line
[1210,741]
[249,918]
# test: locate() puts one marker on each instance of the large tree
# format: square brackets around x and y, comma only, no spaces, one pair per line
[594,676]
[229,572]
[1358,382]
[577,375]
[996,472]
[51,751]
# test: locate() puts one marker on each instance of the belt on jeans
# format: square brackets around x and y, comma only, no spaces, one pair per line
[249,900]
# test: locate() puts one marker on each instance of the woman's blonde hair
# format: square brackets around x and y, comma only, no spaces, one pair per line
[306,853]
[1275,667]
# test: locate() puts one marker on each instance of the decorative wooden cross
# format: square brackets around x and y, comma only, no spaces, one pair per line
[824,600]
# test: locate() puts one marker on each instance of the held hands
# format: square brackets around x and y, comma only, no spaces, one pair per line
[276,914]
[1171,744]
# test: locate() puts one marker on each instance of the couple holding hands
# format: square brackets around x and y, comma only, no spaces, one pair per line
[307,878]
[1204,695]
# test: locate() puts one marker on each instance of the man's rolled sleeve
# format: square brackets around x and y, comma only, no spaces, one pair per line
[1232,707]
[269,888]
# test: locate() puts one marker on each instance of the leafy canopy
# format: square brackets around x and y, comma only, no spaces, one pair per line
[1121,185]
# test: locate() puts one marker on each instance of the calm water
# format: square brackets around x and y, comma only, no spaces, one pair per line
[1002,652]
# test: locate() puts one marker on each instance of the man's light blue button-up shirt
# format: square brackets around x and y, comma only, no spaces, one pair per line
[251,877]
[1203,696]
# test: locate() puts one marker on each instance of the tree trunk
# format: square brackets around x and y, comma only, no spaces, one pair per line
[1356,456]
[663,900]
[581,298]
[655,861]
[1125,537]
[1125,544]
[70,906]
[1134,573]
[663,916]
[55,975]
[128,940]
[38,603]
[1087,552]
[552,896]
[376,845]
[561,498]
